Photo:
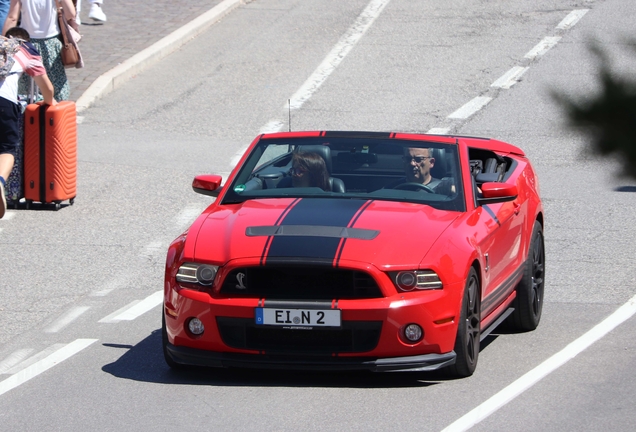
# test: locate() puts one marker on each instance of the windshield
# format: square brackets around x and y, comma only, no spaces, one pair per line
[351,168]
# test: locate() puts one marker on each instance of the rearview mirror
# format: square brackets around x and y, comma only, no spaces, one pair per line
[493,192]
[207,184]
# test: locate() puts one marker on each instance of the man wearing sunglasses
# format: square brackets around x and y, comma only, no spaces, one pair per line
[417,166]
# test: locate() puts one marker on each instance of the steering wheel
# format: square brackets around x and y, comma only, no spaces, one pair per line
[414,187]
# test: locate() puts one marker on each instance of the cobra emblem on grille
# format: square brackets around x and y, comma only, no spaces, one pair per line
[240,277]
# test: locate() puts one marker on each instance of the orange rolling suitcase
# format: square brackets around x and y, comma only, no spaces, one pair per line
[50,153]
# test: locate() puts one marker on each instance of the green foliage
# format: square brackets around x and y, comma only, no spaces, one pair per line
[609,117]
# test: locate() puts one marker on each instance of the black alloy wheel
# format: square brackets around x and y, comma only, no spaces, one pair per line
[468,330]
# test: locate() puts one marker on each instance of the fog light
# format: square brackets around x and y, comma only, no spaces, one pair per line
[196,326]
[413,332]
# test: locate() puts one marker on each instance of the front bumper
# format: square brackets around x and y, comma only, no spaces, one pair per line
[418,363]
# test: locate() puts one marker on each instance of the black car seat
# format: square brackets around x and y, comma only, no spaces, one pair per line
[440,167]
[335,184]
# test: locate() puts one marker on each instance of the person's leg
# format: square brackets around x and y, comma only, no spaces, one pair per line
[78,9]
[9,113]
[96,13]
[6,165]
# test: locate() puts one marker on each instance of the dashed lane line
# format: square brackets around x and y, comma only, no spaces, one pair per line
[571,19]
[188,214]
[546,44]
[470,108]
[45,364]
[34,358]
[510,78]
[438,131]
[522,384]
[15,358]
[66,319]
[338,53]
[135,309]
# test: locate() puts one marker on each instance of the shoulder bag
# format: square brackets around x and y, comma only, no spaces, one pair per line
[70,53]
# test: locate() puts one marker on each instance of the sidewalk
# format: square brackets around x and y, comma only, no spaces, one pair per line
[131,28]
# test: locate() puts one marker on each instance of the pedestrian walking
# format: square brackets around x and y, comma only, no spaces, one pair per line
[21,57]
[39,18]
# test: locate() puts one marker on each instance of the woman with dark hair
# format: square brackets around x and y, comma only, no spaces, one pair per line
[309,170]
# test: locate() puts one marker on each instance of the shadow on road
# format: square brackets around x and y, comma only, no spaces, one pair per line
[144,362]
[626,189]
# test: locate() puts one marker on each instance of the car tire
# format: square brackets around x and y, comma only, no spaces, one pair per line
[529,302]
[164,342]
[468,330]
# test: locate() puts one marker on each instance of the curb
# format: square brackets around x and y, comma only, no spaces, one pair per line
[121,73]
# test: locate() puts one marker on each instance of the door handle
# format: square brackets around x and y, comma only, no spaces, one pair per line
[517,208]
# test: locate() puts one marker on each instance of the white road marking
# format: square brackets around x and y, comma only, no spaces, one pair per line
[338,53]
[113,318]
[188,215]
[271,127]
[153,249]
[522,384]
[546,44]
[111,285]
[325,69]
[470,108]
[571,19]
[35,358]
[239,154]
[14,359]
[510,78]
[66,319]
[135,309]
[438,131]
[43,365]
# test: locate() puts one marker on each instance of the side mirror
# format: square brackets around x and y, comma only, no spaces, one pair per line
[492,193]
[207,184]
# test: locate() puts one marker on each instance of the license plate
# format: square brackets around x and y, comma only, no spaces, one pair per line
[298,317]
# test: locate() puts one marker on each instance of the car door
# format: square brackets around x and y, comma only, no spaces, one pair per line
[500,244]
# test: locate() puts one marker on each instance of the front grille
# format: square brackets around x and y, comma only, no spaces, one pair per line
[300,283]
[352,336]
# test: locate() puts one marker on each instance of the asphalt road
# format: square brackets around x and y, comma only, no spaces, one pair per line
[80,320]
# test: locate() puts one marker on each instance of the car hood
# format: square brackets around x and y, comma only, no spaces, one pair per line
[385,233]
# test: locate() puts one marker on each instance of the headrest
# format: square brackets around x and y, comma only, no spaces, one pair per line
[323,150]
[440,169]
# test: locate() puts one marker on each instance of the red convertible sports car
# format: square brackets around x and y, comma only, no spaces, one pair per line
[357,250]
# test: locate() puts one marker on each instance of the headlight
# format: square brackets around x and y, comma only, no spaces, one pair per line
[416,280]
[201,274]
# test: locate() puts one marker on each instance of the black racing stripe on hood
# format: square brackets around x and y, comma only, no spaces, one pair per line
[269,240]
[314,212]
[344,240]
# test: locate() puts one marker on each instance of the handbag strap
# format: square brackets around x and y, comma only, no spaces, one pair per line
[62,23]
